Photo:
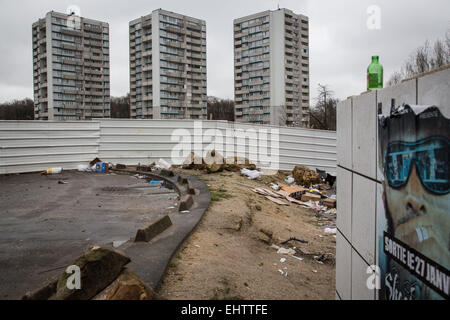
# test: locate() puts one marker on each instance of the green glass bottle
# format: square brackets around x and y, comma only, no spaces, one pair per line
[375,75]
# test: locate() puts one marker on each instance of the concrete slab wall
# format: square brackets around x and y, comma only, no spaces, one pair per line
[359,189]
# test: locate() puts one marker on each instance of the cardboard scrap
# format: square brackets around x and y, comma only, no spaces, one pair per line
[309,196]
[330,203]
[292,189]
[277,201]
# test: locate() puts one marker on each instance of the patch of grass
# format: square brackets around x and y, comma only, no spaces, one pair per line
[217,195]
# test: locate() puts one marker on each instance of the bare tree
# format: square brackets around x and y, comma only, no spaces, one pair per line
[281,114]
[323,115]
[17,110]
[425,58]
[120,107]
[220,109]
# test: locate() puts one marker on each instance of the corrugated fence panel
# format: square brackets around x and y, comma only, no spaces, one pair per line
[27,146]
[313,148]
[37,145]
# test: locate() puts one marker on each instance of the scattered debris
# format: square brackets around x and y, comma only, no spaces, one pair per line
[286,251]
[93,162]
[305,177]
[118,243]
[83,168]
[282,260]
[251,174]
[330,203]
[214,162]
[62,182]
[277,201]
[100,167]
[50,171]
[163,164]
[265,236]
[184,211]
[298,258]
[197,246]
[290,180]
[294,239]
[310,197]
[330,230]
[330,179]
[274,186]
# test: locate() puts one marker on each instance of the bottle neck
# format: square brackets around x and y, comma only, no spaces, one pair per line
[375,59]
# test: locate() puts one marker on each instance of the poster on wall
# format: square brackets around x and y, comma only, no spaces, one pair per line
[413,220]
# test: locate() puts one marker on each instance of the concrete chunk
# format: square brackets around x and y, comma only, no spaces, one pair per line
[154,228]
[190,188]
[98,267]
[186,202]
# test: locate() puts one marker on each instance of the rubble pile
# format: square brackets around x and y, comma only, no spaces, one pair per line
[304,176]
[214,162]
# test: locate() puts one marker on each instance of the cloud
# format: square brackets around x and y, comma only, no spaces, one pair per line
[340,43]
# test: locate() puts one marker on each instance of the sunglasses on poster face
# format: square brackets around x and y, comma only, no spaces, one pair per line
[430,156]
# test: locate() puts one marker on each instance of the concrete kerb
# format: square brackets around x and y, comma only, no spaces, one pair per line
[148,262]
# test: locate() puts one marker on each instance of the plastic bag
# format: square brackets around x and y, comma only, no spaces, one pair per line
[251,174]
[83,168]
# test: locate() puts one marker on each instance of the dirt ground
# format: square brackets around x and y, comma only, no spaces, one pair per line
[229,254]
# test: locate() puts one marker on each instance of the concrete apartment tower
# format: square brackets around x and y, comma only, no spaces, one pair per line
[70,68]
[271,68]
[167,67]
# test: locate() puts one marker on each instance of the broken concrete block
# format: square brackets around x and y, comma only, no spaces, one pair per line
[309,196]
[186,202]
[166,173]
[155,227]
[98,268]
[127,286]
[190,188]
[182,180]
[194,161]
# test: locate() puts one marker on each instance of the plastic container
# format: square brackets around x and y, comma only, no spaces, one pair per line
[54,170]
[100,167]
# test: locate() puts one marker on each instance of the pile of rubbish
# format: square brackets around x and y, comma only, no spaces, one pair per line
[316,192]
[95,165]
[214,162]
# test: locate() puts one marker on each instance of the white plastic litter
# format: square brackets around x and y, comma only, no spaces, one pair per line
[251,174]
[330,230]
[163,164]
[118,243]
[298,258]
[286,251]
[290,180]
[282,260]
[275,186]
[83,168]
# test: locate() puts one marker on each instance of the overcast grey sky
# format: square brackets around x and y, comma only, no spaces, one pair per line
[341,45]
